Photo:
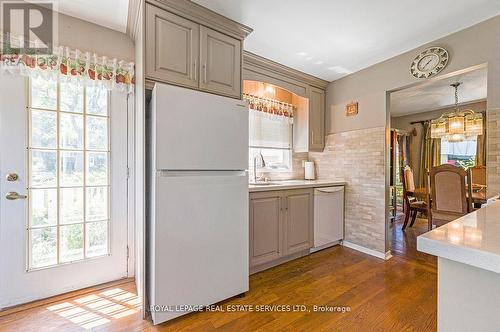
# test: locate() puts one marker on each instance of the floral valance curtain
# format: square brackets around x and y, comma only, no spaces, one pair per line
[88,68]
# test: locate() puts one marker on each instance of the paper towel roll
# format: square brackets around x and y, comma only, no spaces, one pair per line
[309,170]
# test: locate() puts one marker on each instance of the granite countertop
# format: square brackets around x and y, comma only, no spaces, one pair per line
[295,184]
[473,239]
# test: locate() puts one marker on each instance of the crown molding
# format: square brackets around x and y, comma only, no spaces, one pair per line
[204,16]
[253,61]
[134,7]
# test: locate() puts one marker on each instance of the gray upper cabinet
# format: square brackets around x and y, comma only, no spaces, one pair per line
[172,45]
[316,119]
[220,59]
[191,46]
[299,220]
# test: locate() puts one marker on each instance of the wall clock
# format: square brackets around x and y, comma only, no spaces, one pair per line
[430,62]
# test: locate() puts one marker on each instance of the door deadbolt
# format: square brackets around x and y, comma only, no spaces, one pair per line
[12,177]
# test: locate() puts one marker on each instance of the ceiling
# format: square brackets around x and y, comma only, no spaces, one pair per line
[108,13]
[332,38]
[438,94]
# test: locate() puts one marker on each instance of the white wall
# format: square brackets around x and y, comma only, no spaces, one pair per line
[87,36]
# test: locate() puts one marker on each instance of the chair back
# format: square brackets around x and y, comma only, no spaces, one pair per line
[408,179]
[478,175]
[448,192]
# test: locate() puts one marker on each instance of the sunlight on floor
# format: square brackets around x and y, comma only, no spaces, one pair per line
[90,311]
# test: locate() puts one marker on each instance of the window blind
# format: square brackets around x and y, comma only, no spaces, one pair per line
[270,131]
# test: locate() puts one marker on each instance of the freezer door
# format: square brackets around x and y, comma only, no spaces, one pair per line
[199,239]
[194,130]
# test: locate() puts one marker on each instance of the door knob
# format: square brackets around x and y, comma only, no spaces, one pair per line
[12,195]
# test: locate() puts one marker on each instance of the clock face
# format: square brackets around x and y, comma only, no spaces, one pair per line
[430,62]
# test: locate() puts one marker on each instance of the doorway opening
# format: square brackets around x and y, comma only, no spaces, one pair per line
[417,146]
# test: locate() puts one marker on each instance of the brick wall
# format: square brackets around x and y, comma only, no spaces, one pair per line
[493,151]
[358,157]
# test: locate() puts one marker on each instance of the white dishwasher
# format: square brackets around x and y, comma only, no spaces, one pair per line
[328,217]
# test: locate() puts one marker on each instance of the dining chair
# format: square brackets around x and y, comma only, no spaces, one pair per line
[449,195]
[478,175]
[412,204]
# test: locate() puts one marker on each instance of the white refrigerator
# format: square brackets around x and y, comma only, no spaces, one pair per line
[198,227]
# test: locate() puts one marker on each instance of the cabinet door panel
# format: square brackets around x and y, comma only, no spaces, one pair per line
[316,119]
[220,58]
[298,224]
[172,45]
[265,227]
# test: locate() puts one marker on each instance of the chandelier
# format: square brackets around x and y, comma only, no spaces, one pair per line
[458,125]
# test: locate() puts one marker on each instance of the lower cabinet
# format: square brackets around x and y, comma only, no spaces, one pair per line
[298,223]
[281,226]
[266,227]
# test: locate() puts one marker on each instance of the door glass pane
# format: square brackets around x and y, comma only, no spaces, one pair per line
[97,100]
[97,133]
[71,96]
[71,168]
[97,168]
[97,238]
[97,203]
[68,172]
[43,204]
[43,246]
[43,168]
[71,242]
[43,129]
[71,135]
[43,93]
[71,205]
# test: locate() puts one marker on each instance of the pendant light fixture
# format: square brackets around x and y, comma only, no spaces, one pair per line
[458,125]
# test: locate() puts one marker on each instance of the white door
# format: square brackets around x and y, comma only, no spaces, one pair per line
[65,148]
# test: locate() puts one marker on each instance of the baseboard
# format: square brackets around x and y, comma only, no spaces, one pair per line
[371,252]
[279,261]
[325,246]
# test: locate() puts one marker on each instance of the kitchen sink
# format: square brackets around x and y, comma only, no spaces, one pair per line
[262,183]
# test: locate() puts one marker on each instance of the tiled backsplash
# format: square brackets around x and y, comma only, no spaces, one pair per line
[296,173]
[358,157]
[493,152]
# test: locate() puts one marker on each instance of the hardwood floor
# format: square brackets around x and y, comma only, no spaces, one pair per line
[395,295]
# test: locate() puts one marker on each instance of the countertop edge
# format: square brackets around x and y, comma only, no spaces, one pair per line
[288,186]
[469,256]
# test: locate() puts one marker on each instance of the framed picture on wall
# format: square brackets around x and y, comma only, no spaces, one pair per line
[351,109]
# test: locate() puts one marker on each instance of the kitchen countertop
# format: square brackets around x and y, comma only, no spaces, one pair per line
[294,184]
[473,239]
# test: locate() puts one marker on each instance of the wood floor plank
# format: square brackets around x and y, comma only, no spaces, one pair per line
[394,295]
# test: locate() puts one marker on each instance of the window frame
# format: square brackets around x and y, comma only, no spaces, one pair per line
[84,150]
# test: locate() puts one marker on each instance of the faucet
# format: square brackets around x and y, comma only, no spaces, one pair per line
[262,163]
